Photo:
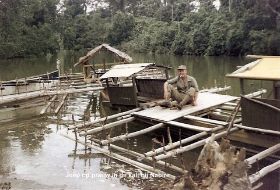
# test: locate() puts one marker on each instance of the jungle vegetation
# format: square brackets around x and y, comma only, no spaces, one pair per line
[236,27]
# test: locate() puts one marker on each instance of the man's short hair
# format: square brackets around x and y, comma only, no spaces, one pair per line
[182,67]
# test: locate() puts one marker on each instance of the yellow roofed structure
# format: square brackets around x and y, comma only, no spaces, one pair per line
[265,68]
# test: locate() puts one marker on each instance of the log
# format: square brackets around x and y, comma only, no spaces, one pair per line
[263,154]
[191,146]
[118,157]
[178,143]
[43,111]
[134,134]
[106,118]
[264,171]
[26,96]
[108,126]
[188,126]
[61,104]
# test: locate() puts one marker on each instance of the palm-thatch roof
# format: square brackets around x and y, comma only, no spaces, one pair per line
[123,56]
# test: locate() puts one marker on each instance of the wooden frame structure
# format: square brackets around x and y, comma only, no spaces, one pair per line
[264,68]
[203,127]
[85,60]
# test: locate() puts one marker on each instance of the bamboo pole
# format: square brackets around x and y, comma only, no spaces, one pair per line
[206,120]
[61,104]
[266,131]
[106,118]
[263,154]
[188,126]
[257,93]
[108,126]
[229,108]
[191,146]
[134,134]
[178,143]
[134,163]
[264,171]
[195,118]
[43,111]
[141,156]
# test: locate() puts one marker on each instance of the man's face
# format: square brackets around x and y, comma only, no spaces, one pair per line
[182,73]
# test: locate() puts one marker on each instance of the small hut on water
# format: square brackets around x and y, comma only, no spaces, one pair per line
[261,112]
[88,67]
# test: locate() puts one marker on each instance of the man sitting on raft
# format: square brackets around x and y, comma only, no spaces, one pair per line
[185,90]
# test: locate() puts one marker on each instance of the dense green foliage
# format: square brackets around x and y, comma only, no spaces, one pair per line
[238,27]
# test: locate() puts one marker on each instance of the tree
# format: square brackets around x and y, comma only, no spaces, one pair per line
[121,29]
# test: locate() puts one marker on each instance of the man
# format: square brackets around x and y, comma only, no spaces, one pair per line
[184,92]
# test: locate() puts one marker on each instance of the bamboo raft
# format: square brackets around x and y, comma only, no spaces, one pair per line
[225,108]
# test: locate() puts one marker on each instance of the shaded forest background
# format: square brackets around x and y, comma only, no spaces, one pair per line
[238,27]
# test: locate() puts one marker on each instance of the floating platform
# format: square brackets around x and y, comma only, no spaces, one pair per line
[205,101]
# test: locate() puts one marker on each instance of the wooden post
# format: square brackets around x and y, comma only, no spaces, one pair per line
[276,85]
[242,90]
[135,90]
[104,65]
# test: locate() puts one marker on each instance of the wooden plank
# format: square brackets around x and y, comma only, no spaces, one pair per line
[188,126]
[134,134]
[205,101]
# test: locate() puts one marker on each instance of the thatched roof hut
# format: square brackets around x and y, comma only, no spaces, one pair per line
[84,61]
[90,55]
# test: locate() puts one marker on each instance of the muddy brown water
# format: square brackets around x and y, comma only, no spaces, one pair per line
[34,154]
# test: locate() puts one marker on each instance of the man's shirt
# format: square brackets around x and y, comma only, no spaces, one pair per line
[184,85]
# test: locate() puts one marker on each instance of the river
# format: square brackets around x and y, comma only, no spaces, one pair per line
[34,154]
